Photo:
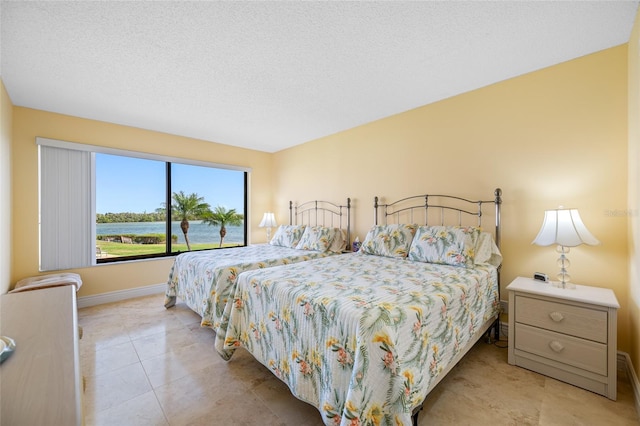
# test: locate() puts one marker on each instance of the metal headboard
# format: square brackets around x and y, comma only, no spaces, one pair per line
[429,209]
[443,208]
[323,213]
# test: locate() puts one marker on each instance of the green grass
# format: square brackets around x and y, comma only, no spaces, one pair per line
[114,249]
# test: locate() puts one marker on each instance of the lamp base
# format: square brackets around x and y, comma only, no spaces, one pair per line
[565,285]
[563,276]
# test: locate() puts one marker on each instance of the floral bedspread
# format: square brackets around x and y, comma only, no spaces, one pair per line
[361,337]
[205,280]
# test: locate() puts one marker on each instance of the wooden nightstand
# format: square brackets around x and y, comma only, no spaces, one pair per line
[569,335]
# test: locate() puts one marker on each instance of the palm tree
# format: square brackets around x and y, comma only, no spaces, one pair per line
[221,216]
[188,207]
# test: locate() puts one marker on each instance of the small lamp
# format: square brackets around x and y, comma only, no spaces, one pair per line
[564,227]
[268,221]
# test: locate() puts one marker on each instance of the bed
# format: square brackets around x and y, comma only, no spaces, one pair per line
[205,280]
[364,337]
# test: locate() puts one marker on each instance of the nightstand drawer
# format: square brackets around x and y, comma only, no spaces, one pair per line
[579,353]
[572,320]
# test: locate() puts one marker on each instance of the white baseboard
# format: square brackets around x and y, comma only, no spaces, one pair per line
[633,377]
[116,296]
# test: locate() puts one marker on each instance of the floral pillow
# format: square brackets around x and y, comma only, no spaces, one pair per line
[287,235]
[449,245]
[389,240]
[317,238]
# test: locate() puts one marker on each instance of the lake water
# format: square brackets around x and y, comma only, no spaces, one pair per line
[199,232]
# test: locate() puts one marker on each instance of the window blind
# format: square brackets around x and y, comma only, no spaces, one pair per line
[67,212]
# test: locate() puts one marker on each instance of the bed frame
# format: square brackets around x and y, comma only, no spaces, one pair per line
[322,213]
[436,209]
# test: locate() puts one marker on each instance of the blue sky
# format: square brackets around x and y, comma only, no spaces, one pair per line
[126,184]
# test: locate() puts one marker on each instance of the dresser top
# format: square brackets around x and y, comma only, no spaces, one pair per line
[41,379]
[582,293]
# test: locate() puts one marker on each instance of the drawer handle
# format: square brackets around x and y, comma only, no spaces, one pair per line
[556,346]
[556,316]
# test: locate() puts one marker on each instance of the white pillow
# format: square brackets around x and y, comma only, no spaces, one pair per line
[487,253]
[339,242]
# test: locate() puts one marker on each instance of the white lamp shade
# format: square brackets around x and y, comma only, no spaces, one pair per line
[268,220]
[564,227]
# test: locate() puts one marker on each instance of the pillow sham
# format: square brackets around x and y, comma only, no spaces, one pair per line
[287,235]
[487,252]
[339,242]
[317,238]
[389,240]
[448,245]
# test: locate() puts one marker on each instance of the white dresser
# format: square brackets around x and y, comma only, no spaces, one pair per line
[567,334]
[41,379]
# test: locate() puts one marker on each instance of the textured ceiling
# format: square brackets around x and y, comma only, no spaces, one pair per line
[270,75]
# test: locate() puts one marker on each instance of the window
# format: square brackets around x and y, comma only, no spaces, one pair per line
[100,205]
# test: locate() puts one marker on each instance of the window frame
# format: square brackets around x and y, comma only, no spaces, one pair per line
[168,160]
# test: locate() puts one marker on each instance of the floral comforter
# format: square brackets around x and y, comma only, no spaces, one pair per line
[361,337]
[206,280]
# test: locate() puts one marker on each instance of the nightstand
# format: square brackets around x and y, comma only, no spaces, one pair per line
[569,335]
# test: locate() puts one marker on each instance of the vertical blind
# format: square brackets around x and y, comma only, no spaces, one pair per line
[67,195]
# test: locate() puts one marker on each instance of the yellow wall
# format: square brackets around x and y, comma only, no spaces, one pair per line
[634,197]
[553,137]
[29,123]
[6,112]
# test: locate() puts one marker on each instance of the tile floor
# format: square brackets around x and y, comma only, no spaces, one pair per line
[145,365]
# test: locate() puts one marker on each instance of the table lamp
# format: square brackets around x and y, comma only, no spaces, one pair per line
[268,221]
[565,228]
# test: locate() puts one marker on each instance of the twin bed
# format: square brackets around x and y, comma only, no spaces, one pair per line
[365,336]
[206,280]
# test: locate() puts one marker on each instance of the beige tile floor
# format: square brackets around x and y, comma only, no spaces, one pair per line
[144,365]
